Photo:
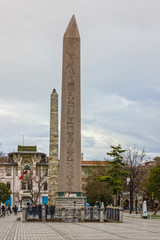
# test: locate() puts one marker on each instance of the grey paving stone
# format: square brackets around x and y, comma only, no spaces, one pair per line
[131,229]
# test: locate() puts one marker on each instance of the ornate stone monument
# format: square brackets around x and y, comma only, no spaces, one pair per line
[53,149]
[69,185]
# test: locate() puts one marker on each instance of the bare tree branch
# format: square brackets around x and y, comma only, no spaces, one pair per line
[2,154]
[134,157]
[40,181]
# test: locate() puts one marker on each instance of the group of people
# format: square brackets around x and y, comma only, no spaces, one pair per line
[7,210]
[50,209]
[36,210]
[32,210]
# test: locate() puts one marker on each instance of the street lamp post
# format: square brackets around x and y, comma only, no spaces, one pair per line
[136,191]
[130,193]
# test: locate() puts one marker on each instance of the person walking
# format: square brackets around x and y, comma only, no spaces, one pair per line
[52,211]
[40,211]
[30,209]
[3,210]
[46,211]
[9,210]
[15,209]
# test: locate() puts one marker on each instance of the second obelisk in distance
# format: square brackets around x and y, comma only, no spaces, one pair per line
[70,141]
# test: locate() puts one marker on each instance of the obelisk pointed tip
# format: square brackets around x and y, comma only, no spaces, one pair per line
[72,29]
[73,18]
[54,91]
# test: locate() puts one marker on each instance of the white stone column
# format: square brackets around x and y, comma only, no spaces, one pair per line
[101,214]
[23,214]
[120,214]
[82,215]
[43,214]
[63,214]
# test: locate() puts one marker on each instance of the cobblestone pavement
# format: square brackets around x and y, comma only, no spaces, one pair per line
[132,228]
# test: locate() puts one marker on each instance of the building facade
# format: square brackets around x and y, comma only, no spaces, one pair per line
[34,181]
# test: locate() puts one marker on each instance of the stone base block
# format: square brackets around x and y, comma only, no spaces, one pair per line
[68,209]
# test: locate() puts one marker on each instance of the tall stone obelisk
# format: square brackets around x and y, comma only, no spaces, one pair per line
[53,149]
[69,201]
[70,141]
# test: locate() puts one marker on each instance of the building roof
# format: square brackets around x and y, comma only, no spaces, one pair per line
[26,152]
[94,163]
[27,148]
[4,159]
[7,161]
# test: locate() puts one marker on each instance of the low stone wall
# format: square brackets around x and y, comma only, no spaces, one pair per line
[88,214]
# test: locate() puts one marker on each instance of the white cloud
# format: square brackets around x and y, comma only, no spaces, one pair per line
[120,71]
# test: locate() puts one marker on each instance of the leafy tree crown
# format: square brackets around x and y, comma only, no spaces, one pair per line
[4,193]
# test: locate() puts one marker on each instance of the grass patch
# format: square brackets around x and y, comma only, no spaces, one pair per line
[152,216]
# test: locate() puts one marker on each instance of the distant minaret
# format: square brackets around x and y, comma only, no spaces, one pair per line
[53,149]
[70,142]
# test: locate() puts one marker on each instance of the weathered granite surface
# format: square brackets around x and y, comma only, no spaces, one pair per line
[70,142]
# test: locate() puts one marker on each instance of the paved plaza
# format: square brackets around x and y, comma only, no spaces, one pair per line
[132,228]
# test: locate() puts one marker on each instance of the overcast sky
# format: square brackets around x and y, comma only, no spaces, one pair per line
[120,71]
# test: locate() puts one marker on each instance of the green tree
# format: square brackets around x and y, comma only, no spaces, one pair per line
[116,174]
[4,193]
[153,185]
[97,191]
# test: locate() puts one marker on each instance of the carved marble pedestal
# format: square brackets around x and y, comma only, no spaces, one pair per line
[68,208]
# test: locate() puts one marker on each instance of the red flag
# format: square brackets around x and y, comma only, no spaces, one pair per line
[24,172]
[21,177]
